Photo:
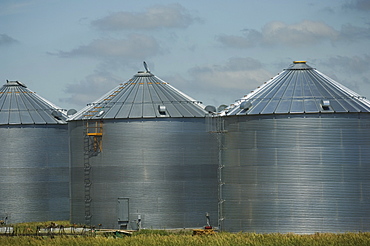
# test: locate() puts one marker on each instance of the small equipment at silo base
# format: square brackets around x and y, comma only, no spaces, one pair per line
[207,230]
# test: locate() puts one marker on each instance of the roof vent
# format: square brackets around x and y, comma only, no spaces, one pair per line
[57,114]
[210,109]
[72,111]
[100,113]
[16,82]
[325,104]
[245,105]
[162,109]
[221,107]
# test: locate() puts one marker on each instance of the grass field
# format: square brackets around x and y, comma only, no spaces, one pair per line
[159,237]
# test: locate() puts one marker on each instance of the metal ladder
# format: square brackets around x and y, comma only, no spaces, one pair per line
[216,126]
[92,147]
[87,172]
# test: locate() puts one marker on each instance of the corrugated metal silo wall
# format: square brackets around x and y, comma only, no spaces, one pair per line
[34,173]
[166,168]
[301,174]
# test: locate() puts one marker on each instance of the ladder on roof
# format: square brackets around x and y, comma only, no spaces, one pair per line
[93,133]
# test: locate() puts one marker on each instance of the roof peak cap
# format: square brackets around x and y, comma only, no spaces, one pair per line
[145,73]
[14,83]
[299,65]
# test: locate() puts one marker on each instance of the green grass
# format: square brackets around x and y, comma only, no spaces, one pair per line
[184,237]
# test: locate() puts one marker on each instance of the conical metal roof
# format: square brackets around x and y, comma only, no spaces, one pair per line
[143,96]
[299,89]
[19,105]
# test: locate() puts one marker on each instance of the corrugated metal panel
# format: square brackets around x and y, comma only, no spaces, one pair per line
[139,97]
[300,89]
[19,105]
[296,174]
[34,173]
[34,162]
[166,168]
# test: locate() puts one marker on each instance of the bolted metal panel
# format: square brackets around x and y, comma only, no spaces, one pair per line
[143,96]
[21,106]
[166,168]
[296,90]
[34,173]
[34,167]
[302,174]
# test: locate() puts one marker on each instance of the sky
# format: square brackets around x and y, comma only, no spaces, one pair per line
[72,52]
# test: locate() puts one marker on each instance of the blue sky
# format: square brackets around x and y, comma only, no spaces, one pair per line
[71,52]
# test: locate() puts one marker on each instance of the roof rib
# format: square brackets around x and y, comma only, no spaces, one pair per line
[300,89]
[20,106]
[143,96]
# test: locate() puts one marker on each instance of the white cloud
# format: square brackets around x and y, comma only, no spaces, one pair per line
[170,16]
[352,33]
[351,71]
[136,46]
[353,65]
[300,34]
[222,83]
[249,39]
[14,7]
[6,40]
[236,73]
[91,88]
[278,33]
[362,5]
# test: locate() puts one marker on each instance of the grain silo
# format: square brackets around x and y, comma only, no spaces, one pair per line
[141,157]
[34,165]
[296,157]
